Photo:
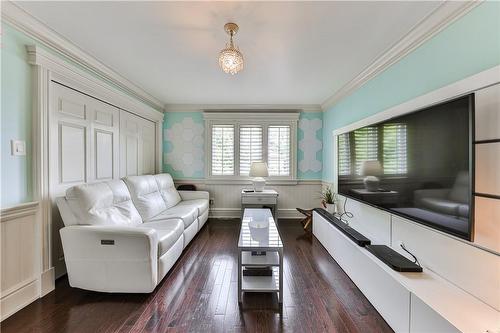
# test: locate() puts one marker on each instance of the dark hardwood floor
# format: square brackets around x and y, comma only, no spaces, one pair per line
[199,295]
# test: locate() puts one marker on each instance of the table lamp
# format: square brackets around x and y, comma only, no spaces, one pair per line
[258,170]
[371,169]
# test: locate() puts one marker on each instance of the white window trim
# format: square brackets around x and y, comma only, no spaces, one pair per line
[250,118]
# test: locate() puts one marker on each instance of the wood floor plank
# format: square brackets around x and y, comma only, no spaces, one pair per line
[199,294]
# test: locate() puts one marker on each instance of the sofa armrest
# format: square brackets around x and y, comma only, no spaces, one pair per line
[440,193]
[190,195]
[111,258]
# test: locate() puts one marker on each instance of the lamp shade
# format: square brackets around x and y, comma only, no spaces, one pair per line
[259,169]
[371,168]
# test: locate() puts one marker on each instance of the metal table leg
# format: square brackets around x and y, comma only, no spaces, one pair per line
[239,275]
[280,297]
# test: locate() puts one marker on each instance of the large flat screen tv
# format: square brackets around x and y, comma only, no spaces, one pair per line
[418,165]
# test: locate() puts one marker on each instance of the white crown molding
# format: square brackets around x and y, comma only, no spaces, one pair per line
[255,116]
[243,107]
[430,26]
[70,75]
[23,21]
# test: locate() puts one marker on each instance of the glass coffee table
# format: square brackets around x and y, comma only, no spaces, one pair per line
[260,249]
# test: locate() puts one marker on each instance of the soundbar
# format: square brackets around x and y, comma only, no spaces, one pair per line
[355,236]
[393,259]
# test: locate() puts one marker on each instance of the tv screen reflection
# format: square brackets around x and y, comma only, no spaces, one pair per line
[416,165]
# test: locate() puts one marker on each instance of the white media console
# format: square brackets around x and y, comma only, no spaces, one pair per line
[409,302]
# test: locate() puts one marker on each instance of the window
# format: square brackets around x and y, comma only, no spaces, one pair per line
[365,146]
[386,143]
[223,150]
[250,147]
[344,154]
[278,151]
[236,139]
[394,147]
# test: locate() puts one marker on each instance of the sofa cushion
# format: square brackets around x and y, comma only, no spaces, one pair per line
[188,214]
[167,189]
[145,195]
[169,231]
[460,190]
[200,204]
[442,206]
[105,203]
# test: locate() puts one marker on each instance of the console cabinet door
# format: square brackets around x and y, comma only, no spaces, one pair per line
[137,145]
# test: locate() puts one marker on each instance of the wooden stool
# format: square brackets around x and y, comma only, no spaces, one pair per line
[308,216]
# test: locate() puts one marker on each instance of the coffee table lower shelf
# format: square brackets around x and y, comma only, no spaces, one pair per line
[261,284]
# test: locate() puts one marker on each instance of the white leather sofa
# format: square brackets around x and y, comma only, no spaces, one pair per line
[125,235]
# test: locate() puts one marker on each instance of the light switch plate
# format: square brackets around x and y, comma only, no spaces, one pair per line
[18,147]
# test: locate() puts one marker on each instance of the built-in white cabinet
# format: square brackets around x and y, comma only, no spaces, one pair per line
[487,166]
[91,141]
[420,302]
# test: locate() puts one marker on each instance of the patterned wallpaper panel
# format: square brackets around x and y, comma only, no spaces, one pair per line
[310,145]
[184,145]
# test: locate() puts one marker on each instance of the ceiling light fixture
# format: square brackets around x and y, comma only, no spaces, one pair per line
[230,58]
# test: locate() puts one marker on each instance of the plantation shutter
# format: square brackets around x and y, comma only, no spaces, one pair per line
[344,155]
[223,150]
[394,149]
[250,147]
[366,146]
[278,150]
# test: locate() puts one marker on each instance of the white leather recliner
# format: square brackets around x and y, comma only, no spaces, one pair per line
[125,235]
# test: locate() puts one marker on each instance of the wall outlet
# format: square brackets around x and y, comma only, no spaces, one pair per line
[17,148]
[211,201]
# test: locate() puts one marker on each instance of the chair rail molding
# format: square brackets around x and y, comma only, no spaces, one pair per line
[18,211]
[429,26]
[23,21]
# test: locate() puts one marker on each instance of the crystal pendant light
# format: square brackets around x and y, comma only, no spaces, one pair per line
[230,58]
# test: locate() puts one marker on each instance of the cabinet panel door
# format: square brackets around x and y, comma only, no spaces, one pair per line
[105,141]
[129,144]
[137,145]
[487,166]
[72,153]
[148,147]
[70,122]
[488,113]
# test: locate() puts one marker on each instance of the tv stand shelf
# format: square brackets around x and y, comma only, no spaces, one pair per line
[409,302]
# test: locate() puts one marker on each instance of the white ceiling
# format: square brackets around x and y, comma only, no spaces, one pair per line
[295,52]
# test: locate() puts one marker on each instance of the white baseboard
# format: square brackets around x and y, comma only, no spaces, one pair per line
[16,300]
[47,281]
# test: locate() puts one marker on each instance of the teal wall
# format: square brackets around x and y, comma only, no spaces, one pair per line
[16,119]
[466,47]
[183,151]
